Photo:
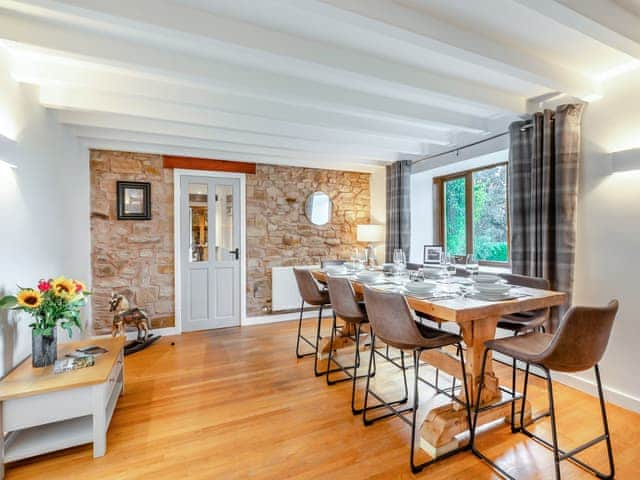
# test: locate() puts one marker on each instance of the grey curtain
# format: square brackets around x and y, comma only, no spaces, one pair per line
[543,188]
[398,208]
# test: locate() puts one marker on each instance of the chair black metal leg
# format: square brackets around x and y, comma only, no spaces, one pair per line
[383,404]
[477,404]
[513,397]
[554,427]
[605,423]
[416,399]
[298,354]
[472,441]
[466,390]
[315,359]
[356,364]
[333,330]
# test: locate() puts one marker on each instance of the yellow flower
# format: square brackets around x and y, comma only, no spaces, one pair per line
[29,298]
[63,287]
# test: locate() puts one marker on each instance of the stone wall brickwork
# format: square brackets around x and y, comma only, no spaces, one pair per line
[134,257]
[278,232]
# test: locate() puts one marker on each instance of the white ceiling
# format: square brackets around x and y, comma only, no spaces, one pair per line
[329,83]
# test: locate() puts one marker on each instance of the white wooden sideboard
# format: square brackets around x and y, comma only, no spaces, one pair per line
[41,411]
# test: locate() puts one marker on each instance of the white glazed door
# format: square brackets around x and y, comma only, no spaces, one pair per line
[210,242]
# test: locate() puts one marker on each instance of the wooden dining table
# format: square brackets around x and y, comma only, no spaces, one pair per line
[478,320]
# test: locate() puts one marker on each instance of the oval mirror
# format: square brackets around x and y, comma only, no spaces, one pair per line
[318,208]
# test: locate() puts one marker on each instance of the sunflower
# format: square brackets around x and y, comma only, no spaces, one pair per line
[29,298]
[63,287]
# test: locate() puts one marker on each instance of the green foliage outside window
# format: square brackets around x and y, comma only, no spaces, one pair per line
[489,214]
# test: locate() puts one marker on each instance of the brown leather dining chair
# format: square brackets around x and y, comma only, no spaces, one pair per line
[354,314]
[393,323]
[313,295]
[577,345]
[523,322]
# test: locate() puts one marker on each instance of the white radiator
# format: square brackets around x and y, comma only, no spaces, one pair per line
[284,290]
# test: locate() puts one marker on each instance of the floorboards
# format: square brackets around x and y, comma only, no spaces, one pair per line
[236,403]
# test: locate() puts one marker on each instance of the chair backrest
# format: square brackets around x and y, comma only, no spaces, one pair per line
[581,340]
[414,266]
[529,282]
[343,300]
[391,319]
[526,281]
[326,263]
[309,290]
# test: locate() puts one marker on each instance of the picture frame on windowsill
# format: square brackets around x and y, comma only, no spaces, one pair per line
[433,254]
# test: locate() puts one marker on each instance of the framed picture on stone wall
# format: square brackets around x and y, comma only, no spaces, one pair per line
[134,200]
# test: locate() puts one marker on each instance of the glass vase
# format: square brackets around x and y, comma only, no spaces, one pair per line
[44,349]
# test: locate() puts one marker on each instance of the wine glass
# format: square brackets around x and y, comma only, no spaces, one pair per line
[472,265]
[448,267]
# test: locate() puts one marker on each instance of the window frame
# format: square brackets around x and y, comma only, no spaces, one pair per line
[439,183]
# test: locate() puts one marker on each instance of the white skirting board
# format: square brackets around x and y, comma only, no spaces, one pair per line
[285,317]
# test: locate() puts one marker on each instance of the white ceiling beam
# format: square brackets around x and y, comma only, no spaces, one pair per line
[164,65]
[64,98]
[425,31]
[212,144]
[199,132]
[602,20]
[204,34]
[126,146]
[45,71]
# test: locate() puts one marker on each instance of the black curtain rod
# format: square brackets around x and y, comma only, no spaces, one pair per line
[435,155]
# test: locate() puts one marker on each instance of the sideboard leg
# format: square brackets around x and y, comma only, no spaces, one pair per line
[99,421]
[1,443]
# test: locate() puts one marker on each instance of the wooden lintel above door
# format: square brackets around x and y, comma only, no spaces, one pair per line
[193,163]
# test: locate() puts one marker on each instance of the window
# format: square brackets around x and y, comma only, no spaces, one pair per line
[473,213]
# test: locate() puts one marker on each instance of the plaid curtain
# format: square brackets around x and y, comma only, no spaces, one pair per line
[543,193]
[398,208]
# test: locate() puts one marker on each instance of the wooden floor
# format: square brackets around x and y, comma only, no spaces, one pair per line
[236,403]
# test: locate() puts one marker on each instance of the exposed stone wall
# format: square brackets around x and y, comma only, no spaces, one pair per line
[278,232]
[131,256]
[136,256]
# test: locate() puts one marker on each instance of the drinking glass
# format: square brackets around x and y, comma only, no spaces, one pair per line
[399,257]
[448,267]
[472,264]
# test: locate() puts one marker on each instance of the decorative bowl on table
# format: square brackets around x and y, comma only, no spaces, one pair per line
[486,278]
[420,288]
[493,288]
[353,266]
[369,276]
[335,270]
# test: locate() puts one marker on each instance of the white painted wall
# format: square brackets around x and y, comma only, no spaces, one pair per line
[608,243]
[422,197]
[35,211]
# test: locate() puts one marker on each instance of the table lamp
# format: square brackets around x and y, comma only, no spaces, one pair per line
[370,234]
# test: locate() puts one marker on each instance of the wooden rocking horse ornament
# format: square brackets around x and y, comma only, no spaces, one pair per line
[125,315]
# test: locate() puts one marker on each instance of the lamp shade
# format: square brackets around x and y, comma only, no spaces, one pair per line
[370,233]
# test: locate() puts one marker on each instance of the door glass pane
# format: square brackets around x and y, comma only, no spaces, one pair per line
[224,223]
[455,222]
[199,222]
[490,214]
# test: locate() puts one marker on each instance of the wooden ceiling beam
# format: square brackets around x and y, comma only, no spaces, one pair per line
[210,164]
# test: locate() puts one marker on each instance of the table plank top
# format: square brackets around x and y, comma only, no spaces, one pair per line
[25,381]
[467,309]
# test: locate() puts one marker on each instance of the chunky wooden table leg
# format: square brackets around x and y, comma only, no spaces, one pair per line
[443,423]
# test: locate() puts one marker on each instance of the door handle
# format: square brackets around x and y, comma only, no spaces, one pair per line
[235,252]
